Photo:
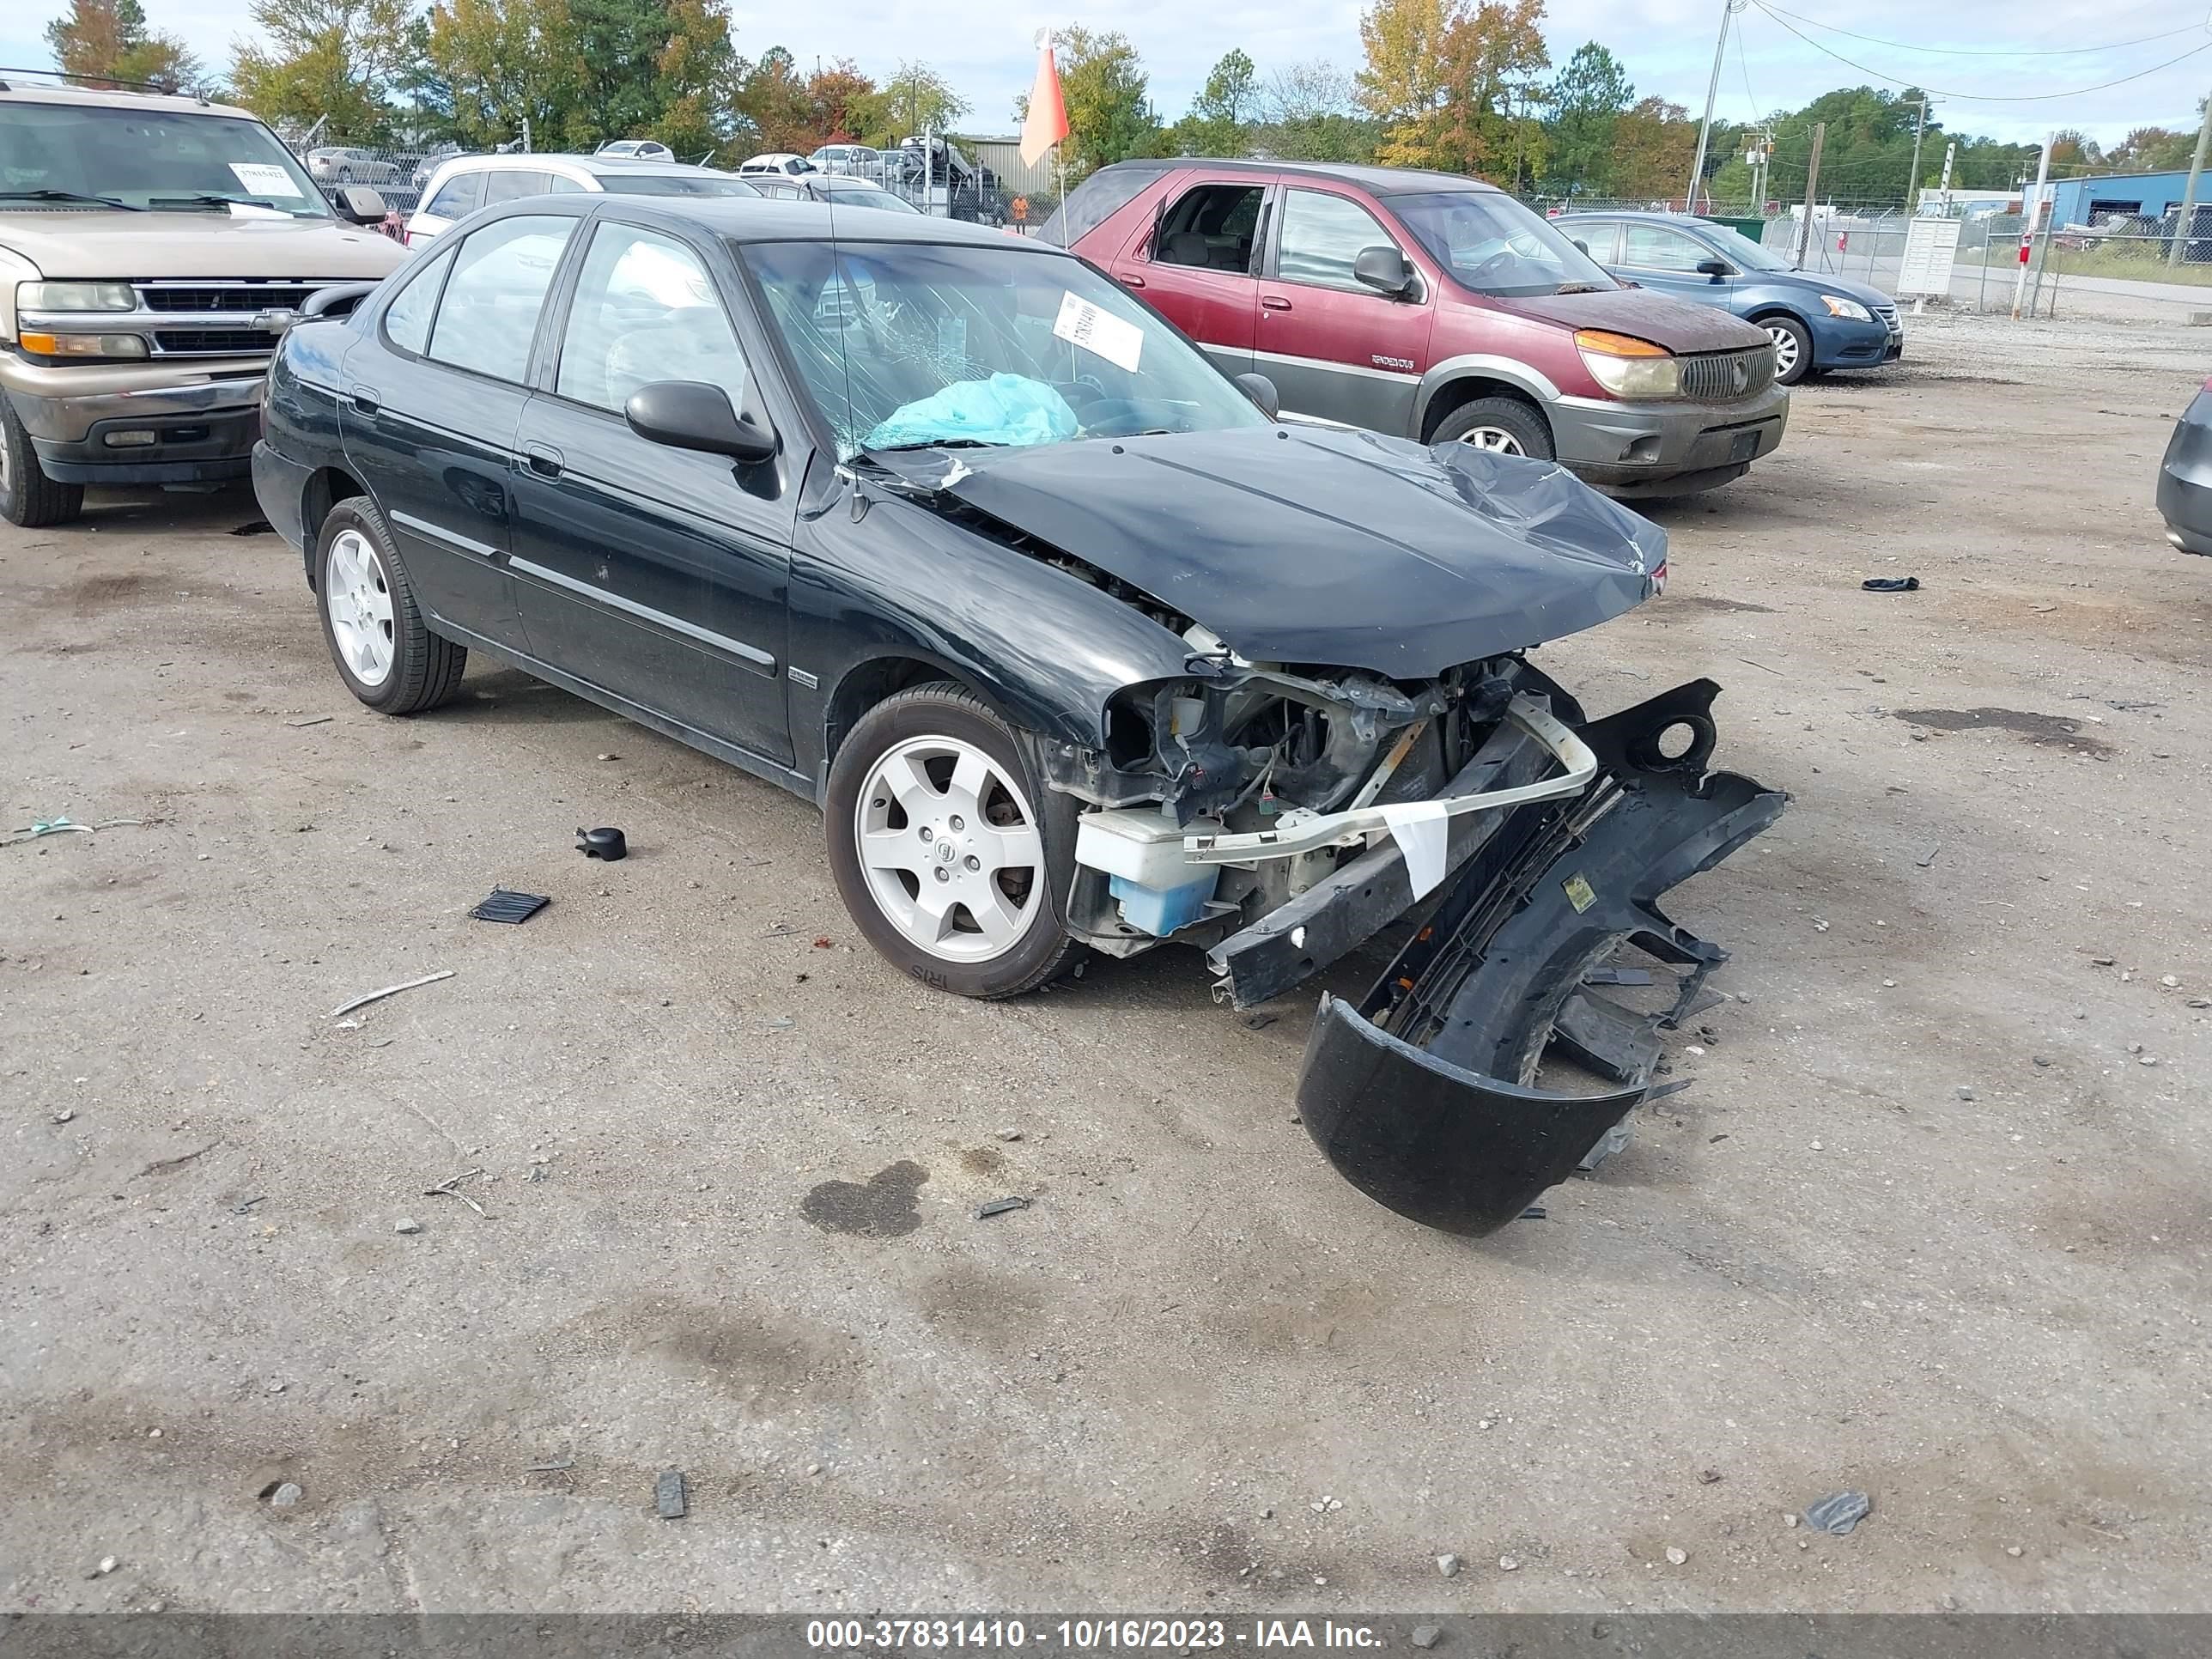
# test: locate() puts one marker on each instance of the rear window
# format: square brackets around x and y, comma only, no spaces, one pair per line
[1097,199]
[513,184]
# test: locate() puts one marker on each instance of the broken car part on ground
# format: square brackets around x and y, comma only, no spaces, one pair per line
[1078,648]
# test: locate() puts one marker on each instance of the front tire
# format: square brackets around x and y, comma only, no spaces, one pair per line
[1503,425]
[28,496]
[951,856]
[1793,348]
[384,652]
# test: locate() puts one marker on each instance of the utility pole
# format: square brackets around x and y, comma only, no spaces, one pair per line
[1912,179]
[1950,154]
[1812,191]
[2174,255]
[2033,204]
[1728,9]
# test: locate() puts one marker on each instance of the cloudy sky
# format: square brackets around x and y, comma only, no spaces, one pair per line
[1996,49]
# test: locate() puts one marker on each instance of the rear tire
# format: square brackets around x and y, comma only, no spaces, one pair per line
[28,496]
[951,856]
[1503,425]
[384,652]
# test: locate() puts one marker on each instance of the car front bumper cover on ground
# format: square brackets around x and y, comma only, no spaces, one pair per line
[1421,1094]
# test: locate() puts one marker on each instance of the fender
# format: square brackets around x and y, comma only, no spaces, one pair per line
[1046,647]
[1479,365]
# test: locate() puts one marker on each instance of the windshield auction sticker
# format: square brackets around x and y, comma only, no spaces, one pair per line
[1080,323]
[264,178]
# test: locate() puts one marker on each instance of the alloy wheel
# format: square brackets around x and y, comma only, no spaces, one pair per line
[949,849]
[1495,438]
[357,595]
[1785,349]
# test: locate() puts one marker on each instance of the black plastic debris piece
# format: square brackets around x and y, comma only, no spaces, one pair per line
[1892,583]
[1838,1512]
[606,844]
[254,527]
[1618,976]
[1259,1021]
[668,1497]
[1000,1206]
[1534,1212]
[512,907]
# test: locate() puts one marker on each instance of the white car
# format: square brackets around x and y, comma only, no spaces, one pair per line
[640,149]
[777,160]
[465,183]
[836,187]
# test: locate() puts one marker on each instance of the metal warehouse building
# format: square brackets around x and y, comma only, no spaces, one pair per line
[2090,200]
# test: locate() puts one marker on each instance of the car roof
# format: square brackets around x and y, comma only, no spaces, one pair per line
[1683,219]
[610,166]
[137,101]
[774,219]
[1377,181]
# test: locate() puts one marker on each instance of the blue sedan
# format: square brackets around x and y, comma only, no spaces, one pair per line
[1817,322]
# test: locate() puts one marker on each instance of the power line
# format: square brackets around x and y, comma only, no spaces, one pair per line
[1983,51]
[1975,97]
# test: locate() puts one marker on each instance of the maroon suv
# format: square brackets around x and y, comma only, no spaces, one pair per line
[1435,307]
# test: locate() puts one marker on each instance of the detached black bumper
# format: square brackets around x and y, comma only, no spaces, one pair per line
[1420,1094]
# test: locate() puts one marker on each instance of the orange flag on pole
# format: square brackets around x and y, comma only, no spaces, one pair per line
[1047,118]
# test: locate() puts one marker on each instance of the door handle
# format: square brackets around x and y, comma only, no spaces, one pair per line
[1130,279]
[544,459]
[1274,302]
[365,400]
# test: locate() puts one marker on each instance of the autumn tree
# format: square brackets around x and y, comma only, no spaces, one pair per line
[1654,142]
[839,95]
[1584,107]
[771,100]
[1454,84]
[335,61]
[691,67]
[2153,149]
[105,44]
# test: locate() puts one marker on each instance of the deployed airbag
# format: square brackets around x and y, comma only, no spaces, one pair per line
[1010,409]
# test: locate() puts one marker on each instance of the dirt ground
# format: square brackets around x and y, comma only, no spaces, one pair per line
[1931,1224]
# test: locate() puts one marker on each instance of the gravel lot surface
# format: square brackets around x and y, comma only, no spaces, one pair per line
[1931,1224]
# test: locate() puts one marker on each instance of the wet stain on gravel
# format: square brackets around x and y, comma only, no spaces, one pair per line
[97,593]
[982,1160]
[884,1209]
[1682,602]
[2036,728]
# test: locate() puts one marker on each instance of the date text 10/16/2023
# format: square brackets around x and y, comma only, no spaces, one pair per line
[1084,1635]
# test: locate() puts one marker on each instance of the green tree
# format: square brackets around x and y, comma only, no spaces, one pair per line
[508,62]
[1654,143]
[105,44]
[1586,102]
[915,100]
[1220,118]
[618,45]
[1103,84]
[335,61]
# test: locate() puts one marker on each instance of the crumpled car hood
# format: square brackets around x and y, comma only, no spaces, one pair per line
[1311,544]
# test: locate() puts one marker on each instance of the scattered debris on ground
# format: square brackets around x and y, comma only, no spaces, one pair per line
[1000,1206]
[670,1500]
[1838,1512]
[511,907]
[606,843]
[390,990]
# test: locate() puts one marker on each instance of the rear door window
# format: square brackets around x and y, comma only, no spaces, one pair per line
[513,184]
[1603,240]
[1322,236]
[489,314]
[1655,247]
[1097,199]
[459,197]
[1213,227]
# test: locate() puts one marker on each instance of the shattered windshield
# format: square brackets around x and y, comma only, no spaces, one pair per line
[916,345]
[1492,245]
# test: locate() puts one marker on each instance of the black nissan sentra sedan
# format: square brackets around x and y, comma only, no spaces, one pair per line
[1077,646]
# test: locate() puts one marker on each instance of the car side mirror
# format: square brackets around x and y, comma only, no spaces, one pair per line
[1715,267]
[1385,270]
[1261,391]
[692,415]
[358,204]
